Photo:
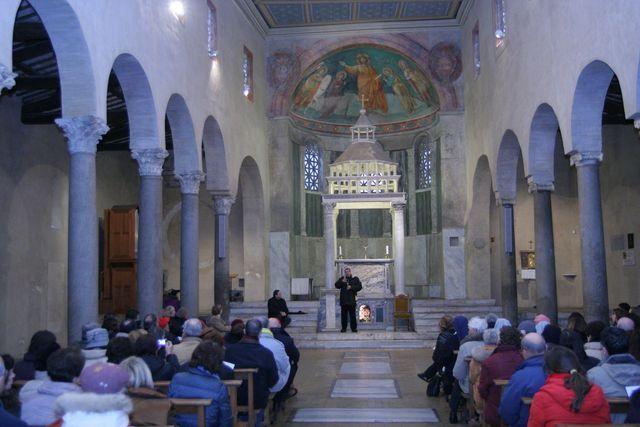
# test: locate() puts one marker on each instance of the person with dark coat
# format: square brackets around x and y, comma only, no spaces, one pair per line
[349,286]
[444,357]
[294,357]
[34,362]
[278,308]
[248,353]
[201,381]
[573,341]
[235,335]
[525,381]
[499,366]
[162,363]
[7,419]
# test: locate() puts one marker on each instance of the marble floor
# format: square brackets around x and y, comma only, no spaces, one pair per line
[361,388]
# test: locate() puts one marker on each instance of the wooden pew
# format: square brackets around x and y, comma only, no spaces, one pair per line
[232,388]
[162,386]
[246,374]
[182,406]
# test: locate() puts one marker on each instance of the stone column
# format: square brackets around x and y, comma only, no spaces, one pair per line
[83,134]
[189,244]
[222,280]
[330,292]
[547,298]
[149,275]
[398,246]
[509,278]
[7,78]
[594,270]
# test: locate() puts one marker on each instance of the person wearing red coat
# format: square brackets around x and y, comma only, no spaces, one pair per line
[499,366]
[567,397]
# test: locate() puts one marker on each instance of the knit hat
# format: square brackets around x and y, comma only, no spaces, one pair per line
[527,326]
[104,378]
[236,322]
[540,317]
[93,336]
[163,322]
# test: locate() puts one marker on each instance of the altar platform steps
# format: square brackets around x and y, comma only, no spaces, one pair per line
[300,323]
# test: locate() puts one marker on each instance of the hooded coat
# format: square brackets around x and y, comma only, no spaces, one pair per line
[528,378]
[552,405]
[38,400]
[499,366]
[613,375]
[91,409]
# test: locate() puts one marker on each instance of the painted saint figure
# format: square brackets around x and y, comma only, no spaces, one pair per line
[417,81]
[369,84]
[310,87]
[399,89]
[335,101]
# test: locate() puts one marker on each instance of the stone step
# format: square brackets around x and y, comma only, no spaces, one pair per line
[263,304]
[454,311]
[452,302]
[377,344]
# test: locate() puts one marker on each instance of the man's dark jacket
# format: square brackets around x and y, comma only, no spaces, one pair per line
[348,296]
[250,354]
[289,346]
[276,306]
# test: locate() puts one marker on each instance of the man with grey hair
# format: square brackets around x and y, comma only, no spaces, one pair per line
[191,331]
[279,353]
[525,381]
[477,326]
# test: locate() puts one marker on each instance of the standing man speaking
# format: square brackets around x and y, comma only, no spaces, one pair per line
[349,286]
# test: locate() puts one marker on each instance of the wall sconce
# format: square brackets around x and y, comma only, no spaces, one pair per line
[177,9]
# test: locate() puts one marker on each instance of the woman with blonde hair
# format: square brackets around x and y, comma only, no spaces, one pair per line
[150,408]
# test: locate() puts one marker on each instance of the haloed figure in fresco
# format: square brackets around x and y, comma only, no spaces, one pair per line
[369,84]
[399,89]
[417,81]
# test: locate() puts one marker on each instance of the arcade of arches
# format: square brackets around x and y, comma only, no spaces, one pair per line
[145,151]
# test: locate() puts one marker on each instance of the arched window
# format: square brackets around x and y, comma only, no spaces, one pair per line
[500,22]
[475,39]
[424,164]
[247,74]
[212,30]
[312,167]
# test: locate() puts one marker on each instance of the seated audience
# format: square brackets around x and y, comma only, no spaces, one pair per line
[499,366]
[294,356]
[135,335]
[7,419]
[525,381]
[593,347]
[111,324]
[573,341]
[211,334]
[118,349]
[277,348]
[633,415]
[461,325]
[626,324]
[502,323]
[150,324]
[618,369]
[216,322]
[150,408]
[190,340]
[527,327]
[479,354]
[166,315]
[443,357]
[161,361]
[130,321]
[38,396]
[94,343]
[552,335]
[567,397]
[102,401]
[626,308]
[461,368]
[237,332]
[541,321]
[248,353]
[34,362]
[616,314]
[577,324]
[491,320]
[176,323]
[277,307]
[9,395]
[201,381]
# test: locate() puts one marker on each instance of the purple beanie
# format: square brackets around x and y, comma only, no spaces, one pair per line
[104,378]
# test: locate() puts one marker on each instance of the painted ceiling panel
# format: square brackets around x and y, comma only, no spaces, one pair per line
[303,13]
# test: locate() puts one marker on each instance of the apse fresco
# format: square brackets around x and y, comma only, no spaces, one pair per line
[394,90]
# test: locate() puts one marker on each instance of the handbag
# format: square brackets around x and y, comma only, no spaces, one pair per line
[433,388]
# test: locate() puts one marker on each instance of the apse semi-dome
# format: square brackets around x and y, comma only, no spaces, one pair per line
[397,94]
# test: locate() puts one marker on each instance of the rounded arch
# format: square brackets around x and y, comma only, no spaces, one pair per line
[215,158]
[77,81]
[588,102]
[185,147]
[542,141]
[250,200]
[141,110]
[509,154]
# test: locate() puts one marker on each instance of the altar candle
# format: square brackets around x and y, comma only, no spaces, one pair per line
[340,250]
[386,249]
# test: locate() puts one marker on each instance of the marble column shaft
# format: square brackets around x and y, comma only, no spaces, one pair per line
[189,244]
[222,279]
[83,134]
[398,246]
[7,78]
[330,244]
[594,270]
[546,293]
[509,277]
[149,275]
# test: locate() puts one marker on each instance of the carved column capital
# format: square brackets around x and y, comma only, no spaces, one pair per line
[398,206]
[150,160]
[328,207]
[504,201]
[222,204]
[536,187]
[585,158]
[83,133]
[7,78]
[190,182]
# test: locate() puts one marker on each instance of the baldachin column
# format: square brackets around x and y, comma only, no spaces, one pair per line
[82,134]
[222,279]
[398,246]
[189,245]
[149,276]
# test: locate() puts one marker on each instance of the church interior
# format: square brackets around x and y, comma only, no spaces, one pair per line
[461,157]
